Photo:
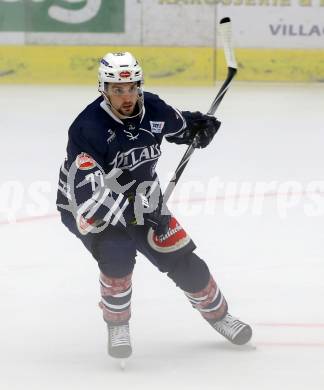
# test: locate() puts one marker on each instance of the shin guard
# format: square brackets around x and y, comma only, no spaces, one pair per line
[209,301]
[116,298]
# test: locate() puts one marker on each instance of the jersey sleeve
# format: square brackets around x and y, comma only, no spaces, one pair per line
[176,123]
[178,130]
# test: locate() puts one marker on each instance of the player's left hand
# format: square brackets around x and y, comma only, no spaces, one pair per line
[201,128]
[158,222]
[155,219]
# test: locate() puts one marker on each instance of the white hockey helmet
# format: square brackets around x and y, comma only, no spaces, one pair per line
[119,68]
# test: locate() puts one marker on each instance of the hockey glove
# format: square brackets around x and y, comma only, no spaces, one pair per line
[158,222]
[200,129]
[154,219]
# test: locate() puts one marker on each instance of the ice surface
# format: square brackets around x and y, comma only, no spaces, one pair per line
[268,258]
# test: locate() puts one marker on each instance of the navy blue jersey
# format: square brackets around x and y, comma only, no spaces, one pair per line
[99,141]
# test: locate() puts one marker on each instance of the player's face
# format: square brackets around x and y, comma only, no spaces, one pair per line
[123,97]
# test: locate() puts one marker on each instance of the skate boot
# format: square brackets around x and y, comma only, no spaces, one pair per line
[234,330]
[119,344]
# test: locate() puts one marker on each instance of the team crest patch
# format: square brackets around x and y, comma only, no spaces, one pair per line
[84,162]
[175,239]
[156,127]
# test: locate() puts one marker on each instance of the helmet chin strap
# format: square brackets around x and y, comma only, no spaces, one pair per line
[140,103]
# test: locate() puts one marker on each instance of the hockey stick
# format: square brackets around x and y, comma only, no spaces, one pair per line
[226,33]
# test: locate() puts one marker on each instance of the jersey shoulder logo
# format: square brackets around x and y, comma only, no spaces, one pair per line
[156,127]
[85,162]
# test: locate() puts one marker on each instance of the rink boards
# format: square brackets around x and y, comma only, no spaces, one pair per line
[177,41]
[162,65]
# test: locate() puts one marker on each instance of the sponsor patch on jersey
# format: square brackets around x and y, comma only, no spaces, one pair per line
[124,74]
[136,157]
[156,127]
[84,162]
[175,239]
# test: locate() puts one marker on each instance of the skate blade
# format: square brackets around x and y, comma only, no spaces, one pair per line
[252,346]
[122,364]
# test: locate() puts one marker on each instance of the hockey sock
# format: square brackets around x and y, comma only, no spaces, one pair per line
[116,298]
[209,301]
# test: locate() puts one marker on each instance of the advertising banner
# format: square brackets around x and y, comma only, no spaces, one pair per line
[256,23]
[62,15]
[79,64]
[275,40]
[176,23]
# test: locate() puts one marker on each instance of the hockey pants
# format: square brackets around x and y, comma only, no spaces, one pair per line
[115,250]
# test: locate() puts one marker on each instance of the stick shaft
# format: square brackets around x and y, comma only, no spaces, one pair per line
[225,27]
[186,157]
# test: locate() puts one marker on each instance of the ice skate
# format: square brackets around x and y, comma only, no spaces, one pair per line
[119,344]
[234,330]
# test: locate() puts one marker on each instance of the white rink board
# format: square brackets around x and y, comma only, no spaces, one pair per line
[258,24]
[290,26]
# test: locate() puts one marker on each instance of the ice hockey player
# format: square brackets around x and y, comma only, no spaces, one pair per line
[109,197]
